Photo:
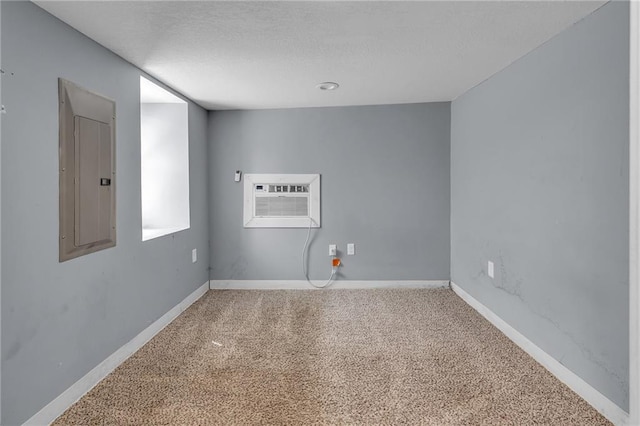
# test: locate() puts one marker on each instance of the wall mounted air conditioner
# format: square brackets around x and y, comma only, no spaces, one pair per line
[281,200]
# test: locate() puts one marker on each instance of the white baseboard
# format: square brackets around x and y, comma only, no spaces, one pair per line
[69,397]
[600,402]
[303,285]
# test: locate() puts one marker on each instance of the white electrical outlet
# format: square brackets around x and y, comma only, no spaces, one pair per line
[194,255]
[333,249]
[351,249]
[490,269]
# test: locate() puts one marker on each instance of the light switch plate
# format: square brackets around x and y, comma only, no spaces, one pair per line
[194,255]
[351,249]
[490,269]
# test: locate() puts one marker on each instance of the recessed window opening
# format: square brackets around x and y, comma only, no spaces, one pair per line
[164,142]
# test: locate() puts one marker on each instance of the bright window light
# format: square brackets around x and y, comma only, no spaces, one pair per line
[164,141]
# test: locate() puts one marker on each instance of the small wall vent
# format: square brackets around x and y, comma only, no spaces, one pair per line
[281,200]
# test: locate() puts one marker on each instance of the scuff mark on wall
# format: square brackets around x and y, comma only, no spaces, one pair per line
[238,267]
[505,282]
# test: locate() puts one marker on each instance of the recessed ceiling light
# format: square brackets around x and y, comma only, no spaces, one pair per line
[328,85]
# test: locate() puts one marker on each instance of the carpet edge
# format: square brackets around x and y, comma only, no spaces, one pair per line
[336,285]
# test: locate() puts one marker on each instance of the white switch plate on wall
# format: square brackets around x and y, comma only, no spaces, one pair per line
[490,269]
[351,249]
[333,249]
[194,255]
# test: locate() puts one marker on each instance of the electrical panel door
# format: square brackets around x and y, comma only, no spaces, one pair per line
[87,172]
[93,181]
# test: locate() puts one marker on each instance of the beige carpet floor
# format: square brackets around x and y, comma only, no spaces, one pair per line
[369,357]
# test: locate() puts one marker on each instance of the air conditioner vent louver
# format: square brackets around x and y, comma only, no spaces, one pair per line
[282,207]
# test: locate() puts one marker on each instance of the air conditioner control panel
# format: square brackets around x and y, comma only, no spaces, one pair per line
[269,188]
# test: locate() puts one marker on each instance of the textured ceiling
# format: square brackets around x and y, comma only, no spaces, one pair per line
[267,54]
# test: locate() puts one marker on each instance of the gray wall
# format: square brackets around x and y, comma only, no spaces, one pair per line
[61,319]
[539,185]
[384,186]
